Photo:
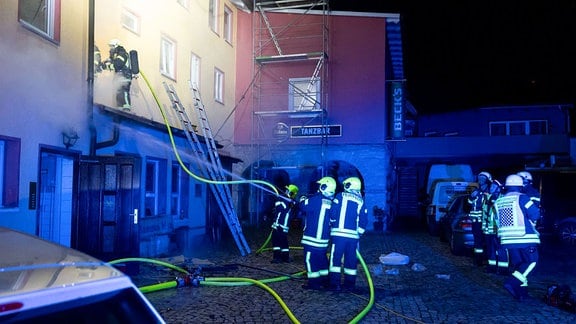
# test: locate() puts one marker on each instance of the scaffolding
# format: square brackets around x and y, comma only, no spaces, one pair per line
[291,74]
[290,89]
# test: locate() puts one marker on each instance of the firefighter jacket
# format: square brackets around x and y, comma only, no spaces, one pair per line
[120,60]
[316,210]
[350,216]
[477,200]
[489,222]
[516,216]
[282,209]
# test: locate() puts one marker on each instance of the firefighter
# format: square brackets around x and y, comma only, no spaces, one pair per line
[496,255]
[348,223]
[516,215]
[528,187]
[478,200]
[119,62]
[316,234]
[282,209]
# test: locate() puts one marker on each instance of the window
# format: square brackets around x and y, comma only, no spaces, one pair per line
[519,127]
[184,3]
[304,94]
[179,191]
[41,16]
[168,57]
[130,21]
[9,172]
[213,15]
[228,24]
[195,71]
[218,86]
[155,194]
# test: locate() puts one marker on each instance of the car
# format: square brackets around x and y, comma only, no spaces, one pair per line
[455,226]
[558,206]
[44,282]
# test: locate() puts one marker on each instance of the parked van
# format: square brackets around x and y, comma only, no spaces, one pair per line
[448,172]
[442,183]
[440,197]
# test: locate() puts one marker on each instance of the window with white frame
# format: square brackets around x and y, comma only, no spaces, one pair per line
[184,3]
[9,172]
[213,15]
[519,127]
[304,94]
[218,85]
[168,57]
[195,70]
[228,15]
[155,187]
[41,16]
[130,21]
[179,191]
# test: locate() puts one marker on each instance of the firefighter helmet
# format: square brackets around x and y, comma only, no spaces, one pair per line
[514,180]
[114,42]
[327,186]
[525,175]
[485,174]
[352,183]
[292,190]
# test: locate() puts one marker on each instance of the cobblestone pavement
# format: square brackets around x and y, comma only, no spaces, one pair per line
[469,295]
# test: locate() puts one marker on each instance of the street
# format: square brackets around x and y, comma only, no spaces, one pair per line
[462,293]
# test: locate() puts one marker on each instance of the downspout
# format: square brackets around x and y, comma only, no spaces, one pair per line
[94,145]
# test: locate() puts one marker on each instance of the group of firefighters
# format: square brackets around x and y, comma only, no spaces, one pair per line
[333,224]
[504,221]
[504,218]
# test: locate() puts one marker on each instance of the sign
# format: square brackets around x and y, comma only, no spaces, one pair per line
[315,131]
[396,124]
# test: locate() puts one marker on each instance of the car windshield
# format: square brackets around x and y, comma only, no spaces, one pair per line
[120,306]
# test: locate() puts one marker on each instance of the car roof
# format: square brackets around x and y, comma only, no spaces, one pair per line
[28,263]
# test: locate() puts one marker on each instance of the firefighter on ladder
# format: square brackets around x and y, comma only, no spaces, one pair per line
[516,216]
[282,209]
[478,200]
[316,236]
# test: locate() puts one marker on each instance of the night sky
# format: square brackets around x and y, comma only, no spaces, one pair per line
[466,54]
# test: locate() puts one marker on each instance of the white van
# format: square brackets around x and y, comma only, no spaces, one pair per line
[441,197]
[43,282]
[448,172]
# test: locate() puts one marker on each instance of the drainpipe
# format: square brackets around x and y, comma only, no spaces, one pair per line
[93,133]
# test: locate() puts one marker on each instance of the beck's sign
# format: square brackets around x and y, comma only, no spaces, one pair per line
[315,131]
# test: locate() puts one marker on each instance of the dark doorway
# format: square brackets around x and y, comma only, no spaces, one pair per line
[109,207]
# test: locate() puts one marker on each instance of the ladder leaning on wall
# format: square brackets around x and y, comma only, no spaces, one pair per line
[208,161]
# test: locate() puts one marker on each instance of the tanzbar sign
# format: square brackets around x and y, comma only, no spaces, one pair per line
[316,131]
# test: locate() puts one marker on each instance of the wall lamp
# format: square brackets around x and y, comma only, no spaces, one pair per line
[69,138]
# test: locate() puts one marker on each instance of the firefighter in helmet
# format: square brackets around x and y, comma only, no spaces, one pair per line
[516,216]
[119,62]
[528,187]
[349,220]
[283,209]
[316,211]
[478,200]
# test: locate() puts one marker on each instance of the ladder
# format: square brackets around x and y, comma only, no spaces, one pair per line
[209,165]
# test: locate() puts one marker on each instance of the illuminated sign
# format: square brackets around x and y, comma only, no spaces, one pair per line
[316,131]
[397,111]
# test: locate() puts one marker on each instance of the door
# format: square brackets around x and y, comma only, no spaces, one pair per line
[109,207]
[56,196]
